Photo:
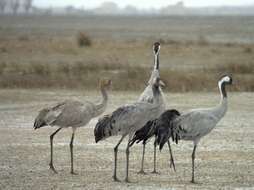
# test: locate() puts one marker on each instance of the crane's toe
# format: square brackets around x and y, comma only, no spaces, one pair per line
[142,172]
[52,168]
[155,172]
[194,182]
[116,179]
[127,180]
[74,173]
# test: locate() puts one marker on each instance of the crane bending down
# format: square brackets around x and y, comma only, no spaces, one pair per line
[159,128]
[148,130]
[126,120]
[197,123]
[73,114]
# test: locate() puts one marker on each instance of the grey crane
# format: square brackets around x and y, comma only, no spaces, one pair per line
[126,120]
[197,123]
[148,131]
[71,113]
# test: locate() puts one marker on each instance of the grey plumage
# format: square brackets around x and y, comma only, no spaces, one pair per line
[126,120]
[195,124]
[147,96]
[73,114]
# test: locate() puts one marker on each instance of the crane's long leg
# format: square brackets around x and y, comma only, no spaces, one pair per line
[51,150]
[154,159]
[142,161]
[193,159]
[71,149]
[115,154]
[127,159]
[172,163]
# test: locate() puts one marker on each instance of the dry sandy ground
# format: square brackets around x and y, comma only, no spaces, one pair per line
[225,158]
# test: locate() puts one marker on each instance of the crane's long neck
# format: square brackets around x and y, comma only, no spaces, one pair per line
[101,106]
[221,109]
[156,61]
[155,72]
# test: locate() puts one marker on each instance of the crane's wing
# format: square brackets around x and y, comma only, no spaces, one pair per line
[192,124]
[126,117]
[54,112]
[74,113]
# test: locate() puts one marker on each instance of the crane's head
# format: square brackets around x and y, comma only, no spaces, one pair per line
[224,80]
[156,48]
[105,83]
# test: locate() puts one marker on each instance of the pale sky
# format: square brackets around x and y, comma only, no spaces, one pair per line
[142,4]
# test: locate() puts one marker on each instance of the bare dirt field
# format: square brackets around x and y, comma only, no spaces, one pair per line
[225,157]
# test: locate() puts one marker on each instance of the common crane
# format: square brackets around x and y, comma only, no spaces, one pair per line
[71,113]
[147,132]
[195,124]
[126,120]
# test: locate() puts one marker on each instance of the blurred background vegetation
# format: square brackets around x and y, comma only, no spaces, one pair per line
[76,51]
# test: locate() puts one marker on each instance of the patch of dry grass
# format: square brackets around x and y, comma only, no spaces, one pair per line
[83,39]
[46,55]
[124,76]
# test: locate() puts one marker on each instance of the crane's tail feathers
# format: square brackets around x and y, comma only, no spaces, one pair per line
[144,133]
[162,136]
[103,128]
[175,135]
[165,128]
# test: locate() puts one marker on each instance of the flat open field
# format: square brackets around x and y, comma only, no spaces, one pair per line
[41,63]
[225,157]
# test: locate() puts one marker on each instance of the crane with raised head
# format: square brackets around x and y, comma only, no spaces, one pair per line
[197,123]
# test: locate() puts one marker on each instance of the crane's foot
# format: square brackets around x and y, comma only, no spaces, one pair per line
[142,172]
[73,173]
[127,180]
[193,181]
[116,179]
[155,172]
[52,168]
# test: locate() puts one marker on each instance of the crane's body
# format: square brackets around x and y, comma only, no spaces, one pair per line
[197,123]
[126,120]
[71,113]
[145,133]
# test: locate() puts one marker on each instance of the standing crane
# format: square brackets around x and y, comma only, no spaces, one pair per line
[71,113]
[126,120]
[148,131]
[195,124]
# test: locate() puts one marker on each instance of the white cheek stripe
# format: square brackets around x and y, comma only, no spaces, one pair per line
[155,61]
[226,79]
